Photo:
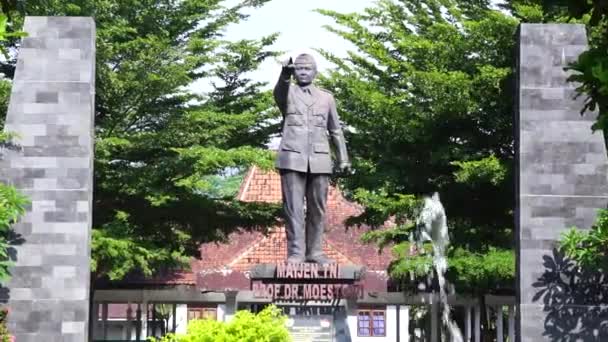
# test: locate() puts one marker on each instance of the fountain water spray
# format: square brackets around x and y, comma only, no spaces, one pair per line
[432,225]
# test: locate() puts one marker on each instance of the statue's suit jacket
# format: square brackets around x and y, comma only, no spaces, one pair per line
[309,120]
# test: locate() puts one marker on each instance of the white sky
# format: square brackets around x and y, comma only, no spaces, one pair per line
[300,31]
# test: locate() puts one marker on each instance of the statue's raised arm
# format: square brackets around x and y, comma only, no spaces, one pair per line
[281,89]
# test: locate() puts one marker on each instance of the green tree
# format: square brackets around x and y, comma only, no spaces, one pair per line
[267,326]
[159,145]
[428,99]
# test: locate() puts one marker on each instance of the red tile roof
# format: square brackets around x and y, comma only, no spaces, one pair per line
[341,244]
[266,249]
[260,186]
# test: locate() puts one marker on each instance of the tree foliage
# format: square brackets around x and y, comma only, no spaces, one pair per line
[5,335]
[544,11]
[7,31]
[266,326]
[427,96]
[588,248]
[12,207]
[158,143]
[12,202]
[590,70]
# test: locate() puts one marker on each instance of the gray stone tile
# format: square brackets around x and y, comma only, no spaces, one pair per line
[47,97]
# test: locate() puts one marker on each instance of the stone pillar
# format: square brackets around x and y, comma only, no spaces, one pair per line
[174,317]
[138,325]
[477,322]
[351,311]
[561,170]
[435,325]
[231,305]
[94,322]
[129,321]
[144,320]
[181,313]
[221,312]
[404,323]
[104,320]
[51,109]
[391,323]
[499,323]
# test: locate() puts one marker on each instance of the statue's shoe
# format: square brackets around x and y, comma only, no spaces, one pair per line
[321,259]
[295,259]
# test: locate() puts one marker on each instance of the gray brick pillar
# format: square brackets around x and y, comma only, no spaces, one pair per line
[51,108]
[561,180]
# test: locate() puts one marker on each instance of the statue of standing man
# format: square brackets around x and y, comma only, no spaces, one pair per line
[304,160]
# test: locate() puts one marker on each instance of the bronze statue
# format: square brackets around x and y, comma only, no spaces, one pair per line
[304,160]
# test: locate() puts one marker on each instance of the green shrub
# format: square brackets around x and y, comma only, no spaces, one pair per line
[266,326]
[5,336]
[12,206]
[589,248]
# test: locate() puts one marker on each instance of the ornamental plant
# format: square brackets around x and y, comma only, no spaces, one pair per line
[12,207]
[5,336]
[588,248]
[265,326]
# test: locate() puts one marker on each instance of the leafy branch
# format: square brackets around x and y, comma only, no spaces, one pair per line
[588,248]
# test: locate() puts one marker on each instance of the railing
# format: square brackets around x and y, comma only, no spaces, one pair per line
[487,319]
[498,318]
[503,306]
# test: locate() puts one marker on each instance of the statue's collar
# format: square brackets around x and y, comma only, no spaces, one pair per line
[307,94]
